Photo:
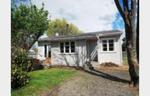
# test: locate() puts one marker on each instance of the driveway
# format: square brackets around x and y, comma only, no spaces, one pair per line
[94,83]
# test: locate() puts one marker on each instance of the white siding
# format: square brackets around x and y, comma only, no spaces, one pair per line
[72,59]
[80,56]
[41,53]
[81,51]
[108,56]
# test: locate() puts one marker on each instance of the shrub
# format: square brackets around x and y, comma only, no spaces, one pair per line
[18,77]
[109,64]
[19,63]
[20,58]
[34,64]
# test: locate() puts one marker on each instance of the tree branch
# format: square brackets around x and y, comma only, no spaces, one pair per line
[126,4]
[120,9]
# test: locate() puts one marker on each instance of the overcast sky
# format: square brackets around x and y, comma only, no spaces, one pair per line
[87,15]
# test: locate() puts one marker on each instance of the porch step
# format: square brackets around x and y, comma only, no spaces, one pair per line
[47,61]
[95,64]
[88,66]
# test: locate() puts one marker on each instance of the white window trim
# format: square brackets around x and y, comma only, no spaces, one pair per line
[69,47]
[107,39]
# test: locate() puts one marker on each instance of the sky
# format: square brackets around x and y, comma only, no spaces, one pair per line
[87,15]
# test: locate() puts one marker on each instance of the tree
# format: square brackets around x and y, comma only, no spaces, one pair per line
[28,23]
[128,11]
[62,27]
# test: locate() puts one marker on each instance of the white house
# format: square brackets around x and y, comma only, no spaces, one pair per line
[76,50]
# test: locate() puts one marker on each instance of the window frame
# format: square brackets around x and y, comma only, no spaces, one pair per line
[64,47]
[112,44]
[108,45]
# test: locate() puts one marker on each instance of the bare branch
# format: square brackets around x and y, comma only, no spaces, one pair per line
[120,9]
[126,4]
[131,4]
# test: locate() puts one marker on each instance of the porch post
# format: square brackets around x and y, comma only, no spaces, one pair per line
[98,47]
[47,50]
[98,40]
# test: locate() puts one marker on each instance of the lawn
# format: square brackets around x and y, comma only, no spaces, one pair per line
[44,80]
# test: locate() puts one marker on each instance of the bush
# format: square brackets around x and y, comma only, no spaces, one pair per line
[18,77]
[20,58]
[109,64]
[34,64]
[21,64]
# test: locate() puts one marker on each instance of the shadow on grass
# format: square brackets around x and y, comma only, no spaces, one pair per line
[106,75]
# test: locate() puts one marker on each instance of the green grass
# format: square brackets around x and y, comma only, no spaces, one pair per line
[44,80]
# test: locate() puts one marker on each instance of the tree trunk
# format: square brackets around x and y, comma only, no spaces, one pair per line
[132,61]
[131,55]
[129,17]
[137,42]
[137,30]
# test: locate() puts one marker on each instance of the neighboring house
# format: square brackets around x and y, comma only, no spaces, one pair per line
[76,50]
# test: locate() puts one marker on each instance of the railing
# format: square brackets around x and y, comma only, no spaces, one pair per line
[93,54]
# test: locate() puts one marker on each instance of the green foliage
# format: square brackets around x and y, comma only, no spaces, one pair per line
[27,24]
[20,65]
[20,58]
[62,27]
[18,77]
[44,80]
[34,64]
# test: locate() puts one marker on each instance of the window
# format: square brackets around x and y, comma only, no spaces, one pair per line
[108,45]
[62,47]
[111,45]
[67,47]
[72,47]
[104,42]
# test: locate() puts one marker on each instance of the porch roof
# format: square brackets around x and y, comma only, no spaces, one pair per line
[90,35]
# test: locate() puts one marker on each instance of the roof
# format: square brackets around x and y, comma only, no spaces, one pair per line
[89,35]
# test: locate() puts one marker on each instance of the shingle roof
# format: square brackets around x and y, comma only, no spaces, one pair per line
[88,35]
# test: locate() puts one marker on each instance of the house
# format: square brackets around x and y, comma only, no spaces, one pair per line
[76,50]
